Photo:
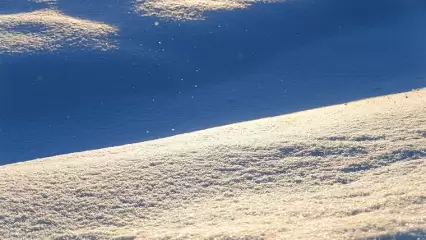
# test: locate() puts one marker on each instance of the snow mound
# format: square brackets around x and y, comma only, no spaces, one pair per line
[190,9]
[351,171]
[50,30]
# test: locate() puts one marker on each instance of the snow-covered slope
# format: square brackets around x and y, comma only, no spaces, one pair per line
[348,171]
[78,75]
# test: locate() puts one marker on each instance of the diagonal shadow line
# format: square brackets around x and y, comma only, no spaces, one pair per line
[45,88]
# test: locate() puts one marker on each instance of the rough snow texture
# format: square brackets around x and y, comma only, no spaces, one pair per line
[50,30]
[350,171]
[190,9]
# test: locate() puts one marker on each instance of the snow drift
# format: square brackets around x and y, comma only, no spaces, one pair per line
[50,30]
[192,9]
[351,171]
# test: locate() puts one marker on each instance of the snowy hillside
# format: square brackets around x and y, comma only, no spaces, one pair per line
[351,171]
[212,119]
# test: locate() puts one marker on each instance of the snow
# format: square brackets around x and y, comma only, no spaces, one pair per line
[297,61]
[350,171]
[190,9]
[50,30]
[225,94]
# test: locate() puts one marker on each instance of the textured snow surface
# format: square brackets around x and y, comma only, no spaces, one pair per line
[190,9]
[349,171]
[50,30]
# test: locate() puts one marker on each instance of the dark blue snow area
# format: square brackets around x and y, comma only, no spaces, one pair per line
[180,76]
